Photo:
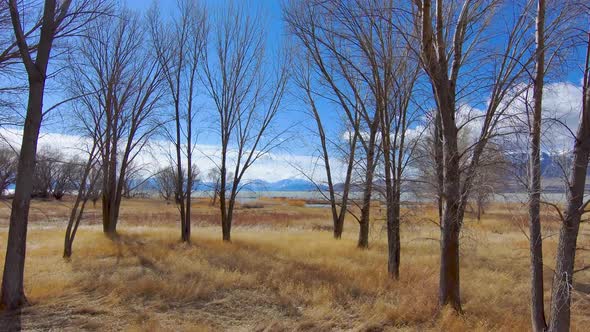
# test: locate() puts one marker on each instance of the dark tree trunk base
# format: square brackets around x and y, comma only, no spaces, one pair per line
[363,241]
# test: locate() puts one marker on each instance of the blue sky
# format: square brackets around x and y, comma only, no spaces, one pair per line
[292,115]
[300,145]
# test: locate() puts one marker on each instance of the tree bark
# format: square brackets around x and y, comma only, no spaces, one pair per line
[449,284]
[346,191]
[535,238]
[568,235]
[13,295]
[393,236]
[364,222]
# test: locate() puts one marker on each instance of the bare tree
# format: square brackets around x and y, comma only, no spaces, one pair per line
[179,46]
[490,177]
[166,183]
[246,97]
[45,169]
[56,19]
[325,31]
[214,178]
[398,149]
[452,39]
[338,205]
[561,293]
[8,163]
[535,238]
[136,177]
[121,84]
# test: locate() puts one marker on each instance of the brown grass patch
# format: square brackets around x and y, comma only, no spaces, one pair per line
[274,277]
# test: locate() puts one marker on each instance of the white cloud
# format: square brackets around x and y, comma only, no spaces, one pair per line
[562,104]
[270,167]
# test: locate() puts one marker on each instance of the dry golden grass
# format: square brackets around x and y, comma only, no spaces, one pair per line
[274,276]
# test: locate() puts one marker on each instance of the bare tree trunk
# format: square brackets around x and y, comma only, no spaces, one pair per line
[337,227]
[561,294]
[179,175]
[364,222]
[227,219]
[225,223]
[346,190]
[535,238]
[13,295]
[186,232]
[391,196]
[393,235]
[215,194]
[109,192]
[566,249]
[73,223]
[451,223]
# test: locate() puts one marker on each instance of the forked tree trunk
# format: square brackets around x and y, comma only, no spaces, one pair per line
[82,197]
[13,295]
[73,222]
[72,229]
[561,294]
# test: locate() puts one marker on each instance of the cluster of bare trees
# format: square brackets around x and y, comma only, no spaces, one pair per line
[125,87]
[367,61]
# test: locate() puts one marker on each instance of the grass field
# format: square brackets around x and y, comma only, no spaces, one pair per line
[280,273]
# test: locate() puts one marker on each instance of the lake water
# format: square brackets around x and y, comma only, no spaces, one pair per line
[249,196]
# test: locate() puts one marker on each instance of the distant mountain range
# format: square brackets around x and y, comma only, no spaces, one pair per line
[551,168]
[262,185]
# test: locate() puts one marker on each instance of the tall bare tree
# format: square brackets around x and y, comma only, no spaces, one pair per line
[452,36]
[179,47]
[561,294]
[120,82]
[55,19]
[247,98]
[535,237]
[338,205]
[325,31]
